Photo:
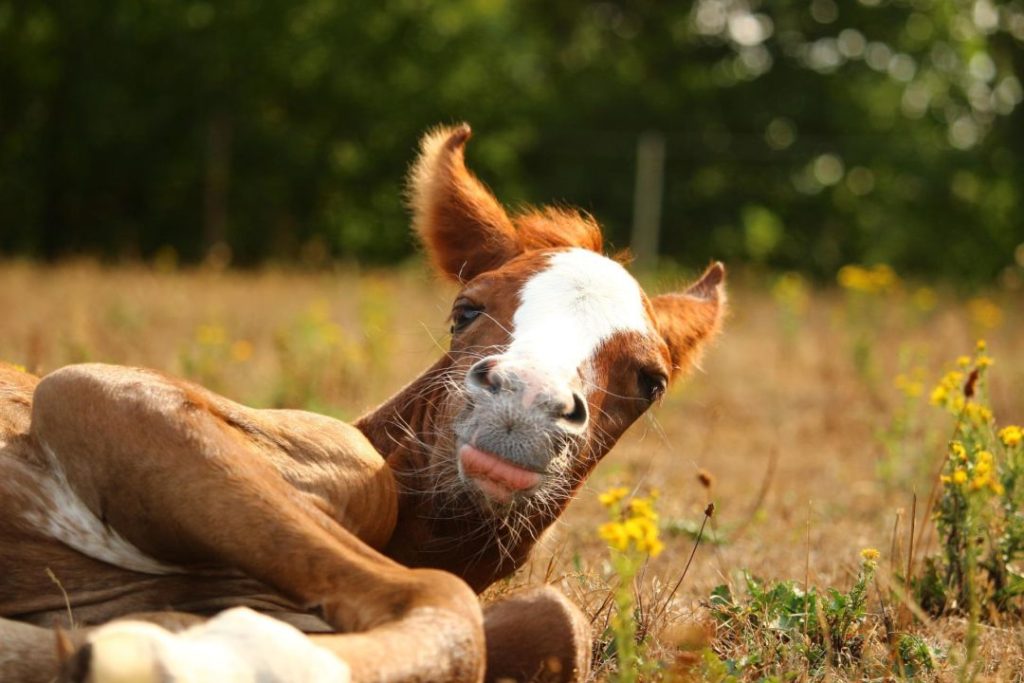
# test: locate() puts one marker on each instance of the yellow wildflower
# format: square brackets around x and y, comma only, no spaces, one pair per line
[883,278]
[638,530]
[875,280]
[997,488]
[1011,435]
[211,335]
[981,346]
[985,361]
[613,496]
[615,534]
[945,392]
[869,554]
[978,414]
[241,351]
[960,476]
[909,387]
[851,277]
[642,508]
[958,450]
[963,361]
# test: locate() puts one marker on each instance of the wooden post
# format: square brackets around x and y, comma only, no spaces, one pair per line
[650,182]
[218,175]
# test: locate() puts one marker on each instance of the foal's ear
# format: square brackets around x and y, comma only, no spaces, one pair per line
[688,320]
[465,230]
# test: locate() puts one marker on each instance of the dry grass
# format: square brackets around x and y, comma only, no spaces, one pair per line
[779,416]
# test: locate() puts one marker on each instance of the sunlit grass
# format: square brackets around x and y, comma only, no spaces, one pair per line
[808,451]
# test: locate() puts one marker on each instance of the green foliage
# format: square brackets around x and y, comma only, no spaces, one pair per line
[781,629]
[803,136]
[915,657]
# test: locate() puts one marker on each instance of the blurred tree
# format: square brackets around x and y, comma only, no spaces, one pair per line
[800,134]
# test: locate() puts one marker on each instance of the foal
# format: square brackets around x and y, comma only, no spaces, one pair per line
[142,493]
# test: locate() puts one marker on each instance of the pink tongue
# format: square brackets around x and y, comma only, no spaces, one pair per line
[505,475]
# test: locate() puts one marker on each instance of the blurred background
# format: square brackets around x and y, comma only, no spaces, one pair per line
[792,134]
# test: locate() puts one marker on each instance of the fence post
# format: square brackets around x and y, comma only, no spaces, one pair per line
[650,181]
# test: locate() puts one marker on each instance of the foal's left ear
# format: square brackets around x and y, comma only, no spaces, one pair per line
[688,320]
[464,228]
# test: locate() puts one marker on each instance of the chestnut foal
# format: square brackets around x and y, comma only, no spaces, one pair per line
[127,492]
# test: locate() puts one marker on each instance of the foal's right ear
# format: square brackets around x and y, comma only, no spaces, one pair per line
[465,230]
[688,320]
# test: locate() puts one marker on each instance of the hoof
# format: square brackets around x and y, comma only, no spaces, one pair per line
[537,635]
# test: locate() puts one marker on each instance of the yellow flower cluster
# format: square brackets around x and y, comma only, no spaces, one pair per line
[948,389]
[977,475]
[977,413]
[911,385]
[878,279]
[1011,435]
[635,527]
[958,451]
[949,393]
[613,496]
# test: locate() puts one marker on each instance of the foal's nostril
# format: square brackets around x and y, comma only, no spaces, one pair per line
[482,374]
[578,414]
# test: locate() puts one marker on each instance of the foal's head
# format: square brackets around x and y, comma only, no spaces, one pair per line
[555,349]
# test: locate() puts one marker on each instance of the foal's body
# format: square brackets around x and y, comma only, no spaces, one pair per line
[141,493]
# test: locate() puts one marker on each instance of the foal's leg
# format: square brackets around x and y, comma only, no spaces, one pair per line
[183,486]
[537,635]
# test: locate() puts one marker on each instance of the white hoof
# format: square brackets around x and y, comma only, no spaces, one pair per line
[236,646]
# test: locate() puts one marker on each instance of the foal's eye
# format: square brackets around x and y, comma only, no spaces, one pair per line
[652,385]
[463,315]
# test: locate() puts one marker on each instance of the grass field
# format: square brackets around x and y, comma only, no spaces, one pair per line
[807,443]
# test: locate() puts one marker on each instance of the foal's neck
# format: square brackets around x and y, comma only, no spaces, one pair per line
[463,539]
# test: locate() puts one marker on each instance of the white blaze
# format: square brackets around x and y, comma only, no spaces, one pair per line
[570,308]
